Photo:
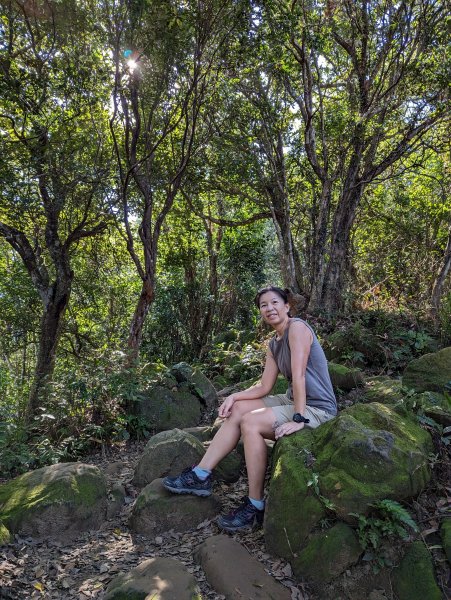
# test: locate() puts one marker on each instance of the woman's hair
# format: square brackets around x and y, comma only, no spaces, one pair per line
[284,294]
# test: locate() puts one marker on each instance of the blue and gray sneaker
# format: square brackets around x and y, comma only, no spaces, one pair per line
[246,516]
[188,483]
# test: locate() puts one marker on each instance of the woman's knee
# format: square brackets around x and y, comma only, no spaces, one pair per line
[239,410]
[252,423]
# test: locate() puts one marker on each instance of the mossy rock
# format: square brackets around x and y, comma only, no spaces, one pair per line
[199,384]
[369,453]
[384,390]
[156,510]
[414,579]
[328,554]
[58,501]
[343,378]
[293,508]
[430,372]
[445,532]
[157,578]
[162,409]
[280,387]
[434,405]
[169,452]
[5,535]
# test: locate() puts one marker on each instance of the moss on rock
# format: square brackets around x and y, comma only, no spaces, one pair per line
[384,390]
[163,409]
[5,535]
[54,500]
[430,372]
[344,378]
[281,386]
[199,384]
[445,532]
[293,508]
[368,453]
[414,578]
[157,510]
[328,554]
[169,452]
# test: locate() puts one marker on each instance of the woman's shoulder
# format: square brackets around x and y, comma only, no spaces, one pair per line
[298,325]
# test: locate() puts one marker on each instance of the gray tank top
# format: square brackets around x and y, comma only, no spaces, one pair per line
[319,391]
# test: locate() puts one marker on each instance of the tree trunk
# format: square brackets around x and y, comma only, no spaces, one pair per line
[49,335]
[442,274]
[143,305]
[335,280]
[318,252]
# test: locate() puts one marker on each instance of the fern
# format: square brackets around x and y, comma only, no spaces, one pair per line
[395,513]
[391,521]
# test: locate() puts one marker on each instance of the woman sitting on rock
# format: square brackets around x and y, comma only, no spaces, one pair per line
[251,414]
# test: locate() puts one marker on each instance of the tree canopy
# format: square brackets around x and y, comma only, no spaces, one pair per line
[161,160]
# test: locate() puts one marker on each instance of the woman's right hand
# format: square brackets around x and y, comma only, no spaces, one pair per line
[225,410]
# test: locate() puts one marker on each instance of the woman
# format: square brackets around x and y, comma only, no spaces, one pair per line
[251,414]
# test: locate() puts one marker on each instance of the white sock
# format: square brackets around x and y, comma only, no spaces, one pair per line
[202,473]
[259,504]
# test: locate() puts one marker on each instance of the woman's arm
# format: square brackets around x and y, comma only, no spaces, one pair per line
[255,392]
[300,340]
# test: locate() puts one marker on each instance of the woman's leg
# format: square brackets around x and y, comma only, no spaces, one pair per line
[255,428]
[229,434]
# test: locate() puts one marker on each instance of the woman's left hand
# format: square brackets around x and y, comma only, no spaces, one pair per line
[287,429]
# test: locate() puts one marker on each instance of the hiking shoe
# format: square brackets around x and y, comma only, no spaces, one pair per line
[188,483]
[246,516]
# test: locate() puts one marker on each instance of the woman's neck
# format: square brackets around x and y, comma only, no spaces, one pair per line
[281,327]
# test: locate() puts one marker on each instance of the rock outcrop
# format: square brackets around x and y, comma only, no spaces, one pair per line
[157,510]
[156,578]
[169,452]
[367,453]
[58,501]
[431,372]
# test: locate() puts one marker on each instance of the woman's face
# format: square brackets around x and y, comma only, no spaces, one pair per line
[273,308]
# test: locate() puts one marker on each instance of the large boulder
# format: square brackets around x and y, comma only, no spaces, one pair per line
[431,372]
[367,453]
[293,508]
[157,578]
[328,554]
[371,453]
[169,452]
[414,579]
[161,408]
[57,502]
[198,384]
[156,510]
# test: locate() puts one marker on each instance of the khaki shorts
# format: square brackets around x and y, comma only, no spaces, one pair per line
[283,409]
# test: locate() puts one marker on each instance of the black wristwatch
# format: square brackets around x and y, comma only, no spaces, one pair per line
[298,418]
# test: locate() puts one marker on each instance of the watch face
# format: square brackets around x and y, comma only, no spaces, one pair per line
[298,418]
